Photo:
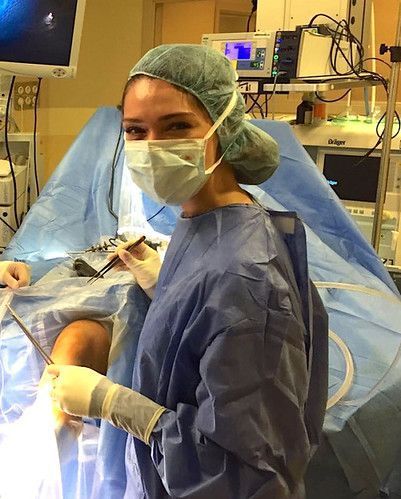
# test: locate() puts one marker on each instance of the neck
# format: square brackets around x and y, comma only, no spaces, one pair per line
[220,190]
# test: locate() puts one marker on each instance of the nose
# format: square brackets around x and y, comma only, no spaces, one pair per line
[153,134]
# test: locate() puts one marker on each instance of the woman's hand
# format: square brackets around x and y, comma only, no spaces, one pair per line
[83,392]
[144,264]
[15,274]
[73,387]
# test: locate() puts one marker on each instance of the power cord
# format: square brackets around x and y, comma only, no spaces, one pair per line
[116,157]
[254,7]
[7,117]
[35,124]
[332,100]
[155,215]
[380,135]
[279,73]
[343,31]
[8,225]
[256,103]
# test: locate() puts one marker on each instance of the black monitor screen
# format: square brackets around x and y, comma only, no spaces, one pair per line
[37,31]
[350,180]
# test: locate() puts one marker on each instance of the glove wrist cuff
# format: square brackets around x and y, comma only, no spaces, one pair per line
[152,423]
[98,396]
[107,402]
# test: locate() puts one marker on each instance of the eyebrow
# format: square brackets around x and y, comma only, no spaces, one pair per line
[162,118]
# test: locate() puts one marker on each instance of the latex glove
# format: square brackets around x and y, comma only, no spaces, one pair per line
[73,387]
[15,274]
[61,419]
[144,263]
[84,392]
[131,411]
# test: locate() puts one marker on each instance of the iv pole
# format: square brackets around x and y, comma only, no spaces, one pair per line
[395,52]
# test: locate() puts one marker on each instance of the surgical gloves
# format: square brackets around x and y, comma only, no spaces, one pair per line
[80,391]
[14,274]
[144,263]
[72,388]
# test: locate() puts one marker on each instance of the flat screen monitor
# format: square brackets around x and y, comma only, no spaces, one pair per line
[40,37]
[351,178]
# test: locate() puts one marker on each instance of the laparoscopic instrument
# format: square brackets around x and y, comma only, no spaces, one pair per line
[31,338]
[115,261]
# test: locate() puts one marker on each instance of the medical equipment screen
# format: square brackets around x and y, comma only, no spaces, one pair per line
[238,51]
[352,181]
[37,32]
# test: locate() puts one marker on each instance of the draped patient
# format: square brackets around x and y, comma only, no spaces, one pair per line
[83,343]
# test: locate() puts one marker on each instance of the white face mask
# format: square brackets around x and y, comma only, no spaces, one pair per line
[172,171]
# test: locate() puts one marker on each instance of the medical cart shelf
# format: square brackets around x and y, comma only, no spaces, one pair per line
[324,85]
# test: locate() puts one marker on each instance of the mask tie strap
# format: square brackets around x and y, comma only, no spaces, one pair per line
[226,112]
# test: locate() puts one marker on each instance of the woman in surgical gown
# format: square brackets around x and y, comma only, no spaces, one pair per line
[230,375]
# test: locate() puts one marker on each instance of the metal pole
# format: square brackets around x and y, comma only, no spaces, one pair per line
[386,146]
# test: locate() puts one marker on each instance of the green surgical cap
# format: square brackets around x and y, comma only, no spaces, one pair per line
[210,77]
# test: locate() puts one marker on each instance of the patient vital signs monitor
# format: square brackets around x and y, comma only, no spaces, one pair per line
[40,38]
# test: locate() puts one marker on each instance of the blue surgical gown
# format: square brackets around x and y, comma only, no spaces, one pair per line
[235,347]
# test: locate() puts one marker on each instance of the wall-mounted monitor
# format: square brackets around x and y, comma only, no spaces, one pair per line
[40,37]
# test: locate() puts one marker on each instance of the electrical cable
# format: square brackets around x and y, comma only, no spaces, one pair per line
[15,193]
[116,157]
[320,14]
[35,124]
[8,225]
[332,100]
[248,23]
[268,99]
[257,104]
[155,215]
[376,59]
[356,71]
[380,135]
[342,31]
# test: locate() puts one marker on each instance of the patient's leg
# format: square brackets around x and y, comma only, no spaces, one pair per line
[81,343]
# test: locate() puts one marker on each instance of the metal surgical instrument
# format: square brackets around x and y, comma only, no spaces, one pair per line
[112,263]
[35,343]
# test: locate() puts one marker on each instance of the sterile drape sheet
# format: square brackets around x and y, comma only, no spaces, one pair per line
[92,465]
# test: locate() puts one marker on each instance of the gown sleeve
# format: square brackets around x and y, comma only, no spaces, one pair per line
[246,435]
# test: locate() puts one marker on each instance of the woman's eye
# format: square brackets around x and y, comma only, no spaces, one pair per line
[180,125]
[134,130]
